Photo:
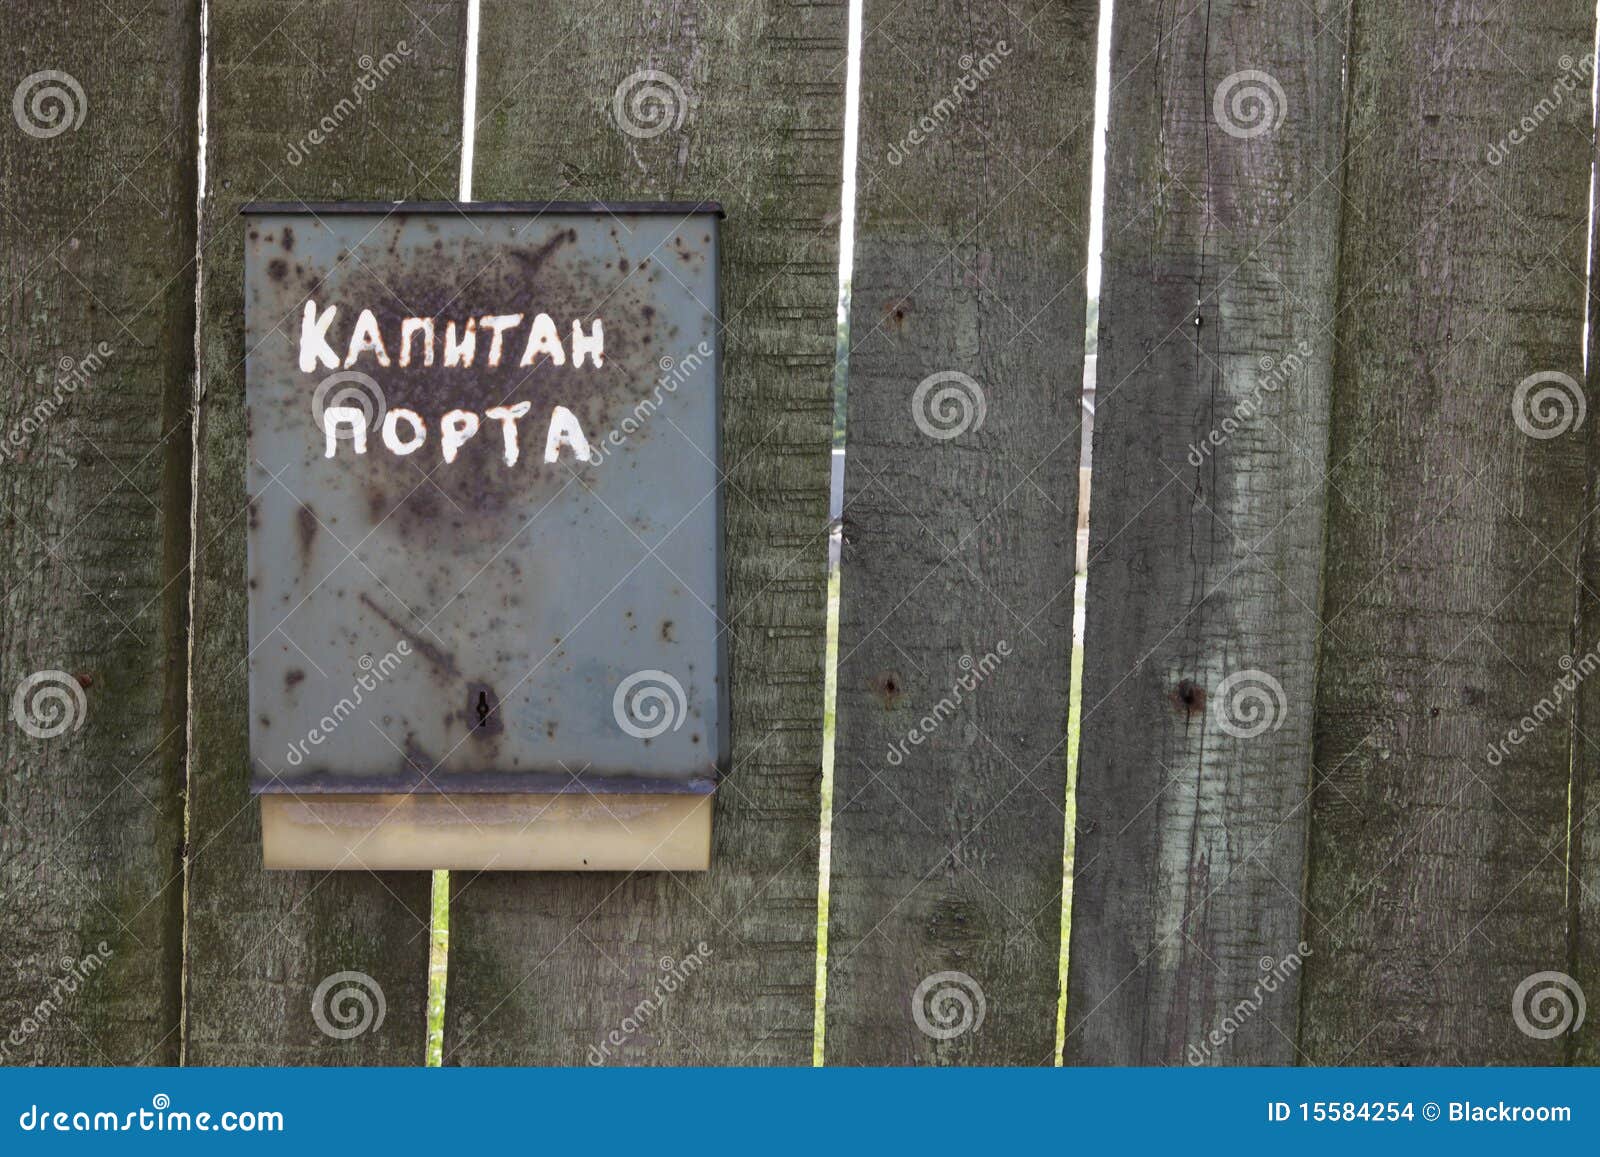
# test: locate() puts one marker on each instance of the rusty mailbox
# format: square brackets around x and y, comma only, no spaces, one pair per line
[485,528]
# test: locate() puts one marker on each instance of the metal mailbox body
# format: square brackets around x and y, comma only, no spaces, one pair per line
[475,626]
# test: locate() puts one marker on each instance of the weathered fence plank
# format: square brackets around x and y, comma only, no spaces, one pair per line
[96,347]
[955,640]
[1584,808]
[544,969]
[1437,875]
[1206,530]
[260,943]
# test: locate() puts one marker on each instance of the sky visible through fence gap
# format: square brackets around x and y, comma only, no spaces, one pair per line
[1571,848]
[841,388]
[194,513]
[439,919]
[1097,189]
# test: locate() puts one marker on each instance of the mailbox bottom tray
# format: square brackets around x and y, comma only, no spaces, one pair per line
[511,833]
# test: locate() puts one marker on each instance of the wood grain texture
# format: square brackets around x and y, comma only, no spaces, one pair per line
[96,349]
[1206,524]
[544,968]
[259,942]
[1437,875]
[959,527]
[1583,910]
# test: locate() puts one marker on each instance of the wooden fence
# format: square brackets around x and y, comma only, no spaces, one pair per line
[1335,734]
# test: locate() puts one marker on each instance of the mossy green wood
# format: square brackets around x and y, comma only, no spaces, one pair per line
[545,969]
[1438,872]
[959,528]
[260,943]
[96,345]
[1206,527]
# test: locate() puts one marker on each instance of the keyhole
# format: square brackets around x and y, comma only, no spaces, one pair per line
[485,704]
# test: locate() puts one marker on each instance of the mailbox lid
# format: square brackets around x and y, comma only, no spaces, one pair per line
[418,624]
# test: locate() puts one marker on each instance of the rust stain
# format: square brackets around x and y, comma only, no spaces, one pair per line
[416,758]
[1189,698]
[441,659]
[306,526]
[477,497]
[896,311]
